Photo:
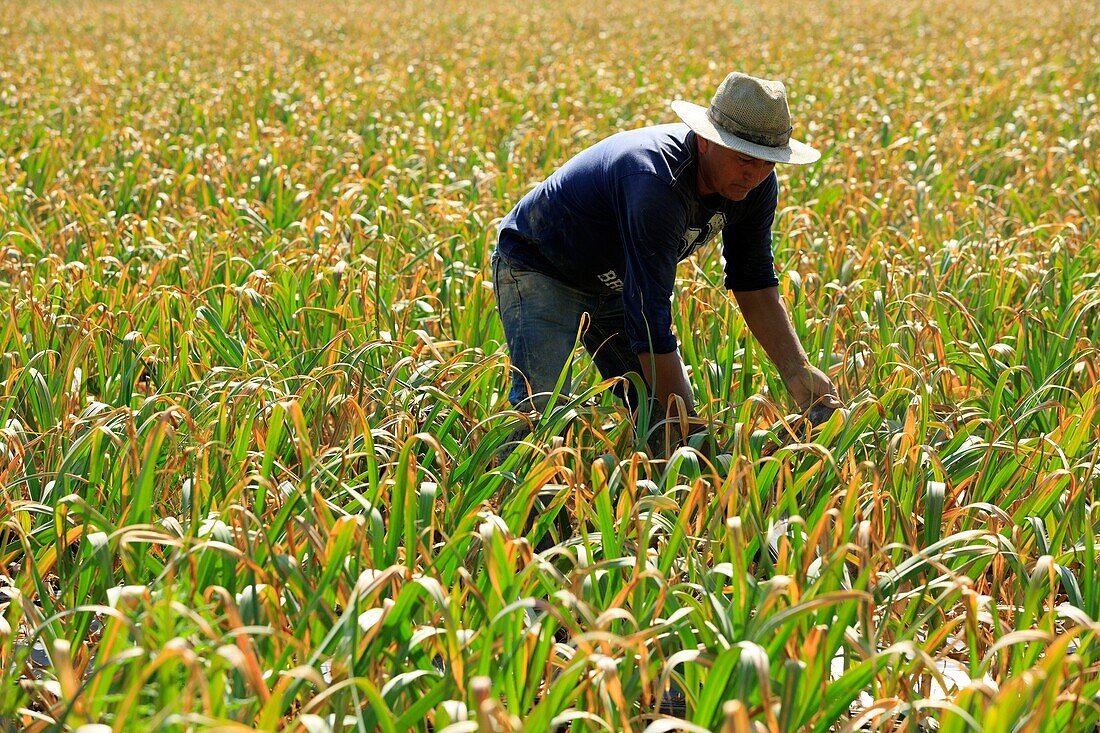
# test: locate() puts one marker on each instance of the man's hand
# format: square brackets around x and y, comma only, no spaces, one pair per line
[810,387]
[817,400]
[671,390]
[665,375]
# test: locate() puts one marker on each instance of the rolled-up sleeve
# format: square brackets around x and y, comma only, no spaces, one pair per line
[652,220]
[747,241]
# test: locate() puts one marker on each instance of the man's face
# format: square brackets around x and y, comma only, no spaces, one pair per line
[728,172]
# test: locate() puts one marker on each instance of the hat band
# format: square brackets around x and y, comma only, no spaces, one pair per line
[729,124]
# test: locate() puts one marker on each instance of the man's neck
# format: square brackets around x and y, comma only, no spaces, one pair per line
[701,188]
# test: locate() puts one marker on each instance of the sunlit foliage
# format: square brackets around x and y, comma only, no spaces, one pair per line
[252,387]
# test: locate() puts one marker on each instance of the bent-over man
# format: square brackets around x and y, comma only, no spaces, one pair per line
[603,234]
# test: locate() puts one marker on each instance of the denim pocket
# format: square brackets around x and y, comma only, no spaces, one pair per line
[505,284]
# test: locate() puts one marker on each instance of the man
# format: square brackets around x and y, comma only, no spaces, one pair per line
[603,234]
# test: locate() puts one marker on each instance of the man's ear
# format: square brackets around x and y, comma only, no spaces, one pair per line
[701,143]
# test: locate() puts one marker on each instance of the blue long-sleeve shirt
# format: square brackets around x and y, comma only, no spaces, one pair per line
[621,214]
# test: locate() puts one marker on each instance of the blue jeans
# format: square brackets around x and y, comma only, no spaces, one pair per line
[541,317]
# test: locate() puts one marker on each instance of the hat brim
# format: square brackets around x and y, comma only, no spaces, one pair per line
[697,119]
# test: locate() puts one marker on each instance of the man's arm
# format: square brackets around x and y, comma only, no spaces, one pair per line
[667,378]
[665,375]
[767,319]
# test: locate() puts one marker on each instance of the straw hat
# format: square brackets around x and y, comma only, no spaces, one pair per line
[751,116]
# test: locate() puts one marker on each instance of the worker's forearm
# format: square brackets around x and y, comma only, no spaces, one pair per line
[768,320]
[766,317]
[665,375]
